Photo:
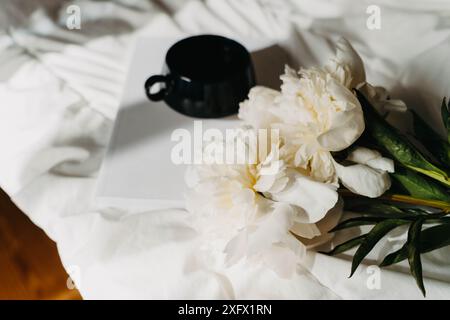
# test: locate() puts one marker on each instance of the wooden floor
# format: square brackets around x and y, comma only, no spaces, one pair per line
[30,267]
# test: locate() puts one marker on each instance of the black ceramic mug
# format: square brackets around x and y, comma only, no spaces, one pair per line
[204,76]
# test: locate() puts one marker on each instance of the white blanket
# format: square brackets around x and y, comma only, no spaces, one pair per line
[59,91]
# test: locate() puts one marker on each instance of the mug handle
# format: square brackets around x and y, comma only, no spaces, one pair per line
[152,81]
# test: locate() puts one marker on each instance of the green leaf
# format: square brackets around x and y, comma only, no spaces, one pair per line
[395,257]
[419,186]
[431,140]
[372,207]
[394,143]
[345,246]
[371,239]
[433,238]
[413,246]
[356,222]
[445,112]
[388,211]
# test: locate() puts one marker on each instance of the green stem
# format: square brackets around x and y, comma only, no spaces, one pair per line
[444,206]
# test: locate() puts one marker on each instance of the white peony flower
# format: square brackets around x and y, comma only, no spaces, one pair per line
[328,115]
[256,211]
[379,98]
[317,114]
[347,67]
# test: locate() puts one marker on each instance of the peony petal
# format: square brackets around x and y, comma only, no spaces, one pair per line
[379,98]
[346,125]
[265,182]
[322,167]
[362,155]
[325,225]
[271,173]
[259,237]
[255,111]
[382,163]
[291,81]
[346,55]
[279,185]
[364,180]
[342,137]
[244,196]
[314,198]
[306,230]
[395,105]
[304,154]
[372,158]
[271,228]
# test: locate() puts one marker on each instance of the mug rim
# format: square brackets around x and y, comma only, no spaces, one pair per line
[225,78]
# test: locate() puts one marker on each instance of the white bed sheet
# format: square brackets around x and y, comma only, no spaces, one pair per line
[59,92]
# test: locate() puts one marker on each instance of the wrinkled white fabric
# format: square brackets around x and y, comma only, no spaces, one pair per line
[59,93]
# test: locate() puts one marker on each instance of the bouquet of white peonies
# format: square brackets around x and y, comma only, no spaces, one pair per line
[285,192]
